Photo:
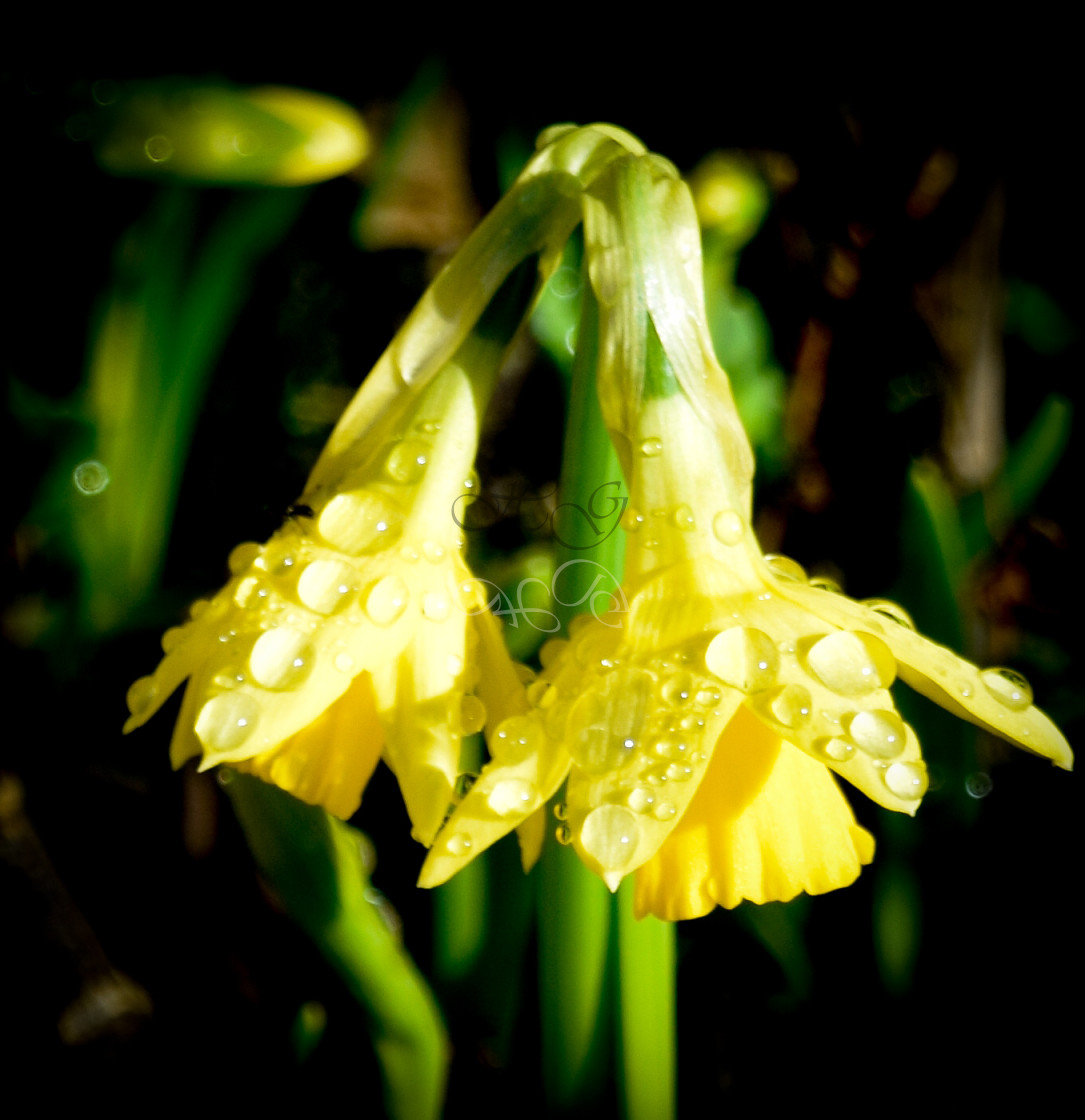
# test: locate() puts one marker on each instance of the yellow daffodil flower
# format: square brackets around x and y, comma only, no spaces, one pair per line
[357,632]
[698,732]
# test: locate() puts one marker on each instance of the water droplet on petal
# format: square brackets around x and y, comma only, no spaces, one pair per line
[472,715]
[878,733]
[851,664]
[826,583]
[839,750]
[610,835]
[564,834]
[606,723]
[435,606]
[433,551]
[242,556]
[664,811]
[359,521]
[727,527]
[632,520]
[343,663]
[459,843]
[907,780]
[792,706]
[888,609]
[684,519]
[1008,688]
[387,600]
[326,586]
[281,658]
[407,461]
[512,797]
[677,689]
[172,638]
[141,695]
[541,694]
[785,568]
[651,447]
[640,800]
[744,658]
[226,721]
[516,739]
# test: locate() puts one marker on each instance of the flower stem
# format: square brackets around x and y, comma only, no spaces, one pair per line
[646,1023]
[314,863]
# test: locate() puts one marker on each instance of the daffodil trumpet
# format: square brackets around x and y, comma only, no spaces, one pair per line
[697,734]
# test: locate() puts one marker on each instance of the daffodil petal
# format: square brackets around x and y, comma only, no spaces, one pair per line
[329,762]
[505,795]
[994,699]
[766,824]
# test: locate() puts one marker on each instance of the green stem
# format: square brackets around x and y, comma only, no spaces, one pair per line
[314,863]
[646,1023]
[574,909]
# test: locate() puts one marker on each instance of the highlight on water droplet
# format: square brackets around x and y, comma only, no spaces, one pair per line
[851,663]
[141,695]
[226,721]
[326,586]
[242,556]
[743,657]
[727,527]
[511,797]
[359,521]
[907,780]
[387,600]
[458,843]
[785,567]
[888,609]
[90,477]
[1008,688]
[651,447]
[610,835]
[878,733]
[281,658]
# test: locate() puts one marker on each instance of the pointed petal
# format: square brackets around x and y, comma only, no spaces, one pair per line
[506,794]
[767,823]
[989,698]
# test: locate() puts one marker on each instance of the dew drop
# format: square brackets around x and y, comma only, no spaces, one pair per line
[251,594]
[454,665]
[435,606]
[1008,688]
[605,723]
[359,521]
[512,797]
[561,810]
[243,556]
[744,658]
[326,586]
[837,749]
[671,747]
[632,520]
[707,696]
[792,705]
[281,658]
[826,583]
[978,785]
[888,609]
[515,739]
[610,835]
[459,843]
[651,447]
[851,664]
[407,461]
[343,663]
[640,800]
[677,689]
[563,834]
[226,721]
[785,568]
[684,519]
[472,715]
[677,772]
[907,780]
[665,811]
[433,551]
[387,600]
[878,733]
[141,695]
[727,527]
[172,638]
